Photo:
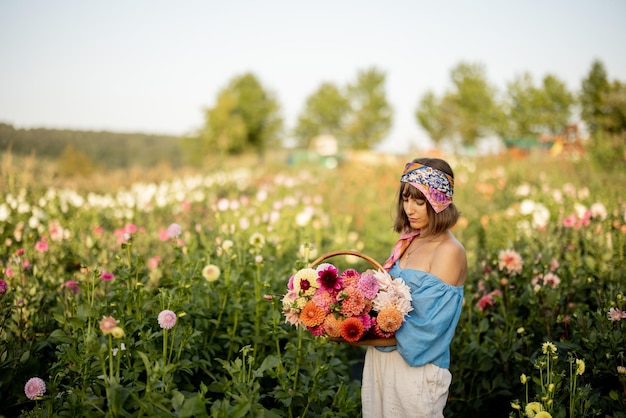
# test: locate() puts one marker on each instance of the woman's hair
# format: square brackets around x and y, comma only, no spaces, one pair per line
[437,222]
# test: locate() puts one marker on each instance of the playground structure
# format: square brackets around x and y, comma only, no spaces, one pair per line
[568,142]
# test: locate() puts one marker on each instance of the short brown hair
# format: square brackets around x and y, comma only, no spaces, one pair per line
[437,222]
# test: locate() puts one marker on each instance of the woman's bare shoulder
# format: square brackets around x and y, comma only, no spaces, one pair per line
[450,262]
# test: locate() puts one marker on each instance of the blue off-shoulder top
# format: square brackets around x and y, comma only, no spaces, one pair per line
[428,329]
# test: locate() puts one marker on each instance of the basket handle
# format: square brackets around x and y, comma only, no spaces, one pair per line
[347,252]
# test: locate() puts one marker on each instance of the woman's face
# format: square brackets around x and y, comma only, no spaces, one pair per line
[416,211]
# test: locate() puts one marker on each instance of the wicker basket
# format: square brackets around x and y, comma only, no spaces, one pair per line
[331,254]
[377,266]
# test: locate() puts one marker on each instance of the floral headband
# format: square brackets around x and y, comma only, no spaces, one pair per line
[436,185]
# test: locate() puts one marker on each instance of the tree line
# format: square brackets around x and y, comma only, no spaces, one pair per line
[246,117]
[85,151]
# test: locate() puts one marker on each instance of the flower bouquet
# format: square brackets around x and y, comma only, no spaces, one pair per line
[346,306]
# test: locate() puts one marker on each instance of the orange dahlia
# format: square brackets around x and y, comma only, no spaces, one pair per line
[333,325]
[312,315]
[353,302]
[352,329]
[389,319]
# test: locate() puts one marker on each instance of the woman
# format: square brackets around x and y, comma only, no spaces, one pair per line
[407,376]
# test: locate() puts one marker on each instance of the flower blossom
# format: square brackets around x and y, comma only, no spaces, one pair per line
[211,272]
[368,285]
[389,319]
[107,323]
[333,325]
[616,315]
[107,276]
[257,240]
[532,409]
[484,301]
[328,278]
[548,348]
[352,329]
[312,315]
[510,260]
[72,285]
[598,210]
[174,230]
[117,332]
[3,287]
[353,302]
[580,366]
[34,388]
[305,280]
[167,319]
[42,245]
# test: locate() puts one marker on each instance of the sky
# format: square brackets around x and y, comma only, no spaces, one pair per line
[154,66]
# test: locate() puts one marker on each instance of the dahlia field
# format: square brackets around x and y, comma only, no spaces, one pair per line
[165,297]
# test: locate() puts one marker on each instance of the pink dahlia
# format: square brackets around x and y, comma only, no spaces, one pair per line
[107,323]
[349,277]
[34,388]
[318,331]
[484,301]
[616,315]
[174,230]
[510,260]
[3,287]
[328,278]
[353,302]
[324,299]
[368,285]
[107,276]
[167,319]
[72,285]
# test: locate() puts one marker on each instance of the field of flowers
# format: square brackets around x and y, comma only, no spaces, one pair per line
[164,298]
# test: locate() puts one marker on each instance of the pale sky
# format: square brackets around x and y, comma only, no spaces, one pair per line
[153,65]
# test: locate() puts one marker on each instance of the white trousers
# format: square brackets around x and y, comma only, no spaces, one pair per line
[393,389]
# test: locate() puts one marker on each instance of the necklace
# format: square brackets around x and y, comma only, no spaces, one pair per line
[418,246]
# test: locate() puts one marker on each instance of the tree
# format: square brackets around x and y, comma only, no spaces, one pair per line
[533,110]
[325,112]
[245,117]
[467,112]
[554,104]
[370,114]
[520,106]
[594,86]
[75,162]
[477,113]
[436,116]
[613,116]
[259,111]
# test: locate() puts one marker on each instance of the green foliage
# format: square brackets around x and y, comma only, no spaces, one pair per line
[325,113]
[436,116]
[594,86]
[466,113]
[74,162]
[359,117]
[371,115]
[230,352]
[246,117]
[106,149]
[532,111]
[608,151]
